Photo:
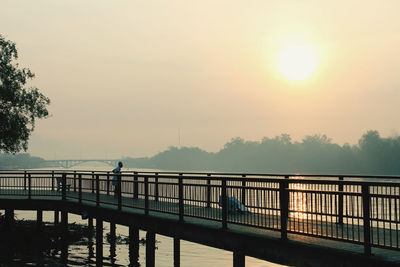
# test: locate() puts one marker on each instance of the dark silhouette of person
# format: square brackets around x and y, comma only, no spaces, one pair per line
[117,170]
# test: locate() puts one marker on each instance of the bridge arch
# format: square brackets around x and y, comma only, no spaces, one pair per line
[69,163]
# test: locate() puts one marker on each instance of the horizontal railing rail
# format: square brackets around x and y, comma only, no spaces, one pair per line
[239,174]
[359,209]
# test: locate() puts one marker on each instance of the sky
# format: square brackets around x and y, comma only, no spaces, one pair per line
[131,78]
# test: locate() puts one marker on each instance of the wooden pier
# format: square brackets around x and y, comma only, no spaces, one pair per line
[294,220]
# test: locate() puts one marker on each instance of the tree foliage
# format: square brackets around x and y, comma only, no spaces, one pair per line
[20,161]
[20,105]
[314,154]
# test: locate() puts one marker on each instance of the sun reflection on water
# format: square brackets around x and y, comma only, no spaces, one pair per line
[298,202]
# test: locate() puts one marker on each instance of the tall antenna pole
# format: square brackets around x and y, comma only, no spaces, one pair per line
[179,137]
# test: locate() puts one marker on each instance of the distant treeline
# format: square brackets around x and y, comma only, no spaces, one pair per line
[20,161]
[315,154]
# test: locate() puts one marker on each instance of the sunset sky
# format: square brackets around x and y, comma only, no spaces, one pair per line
[125,76]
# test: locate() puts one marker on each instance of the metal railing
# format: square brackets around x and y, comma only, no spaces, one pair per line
[363,210]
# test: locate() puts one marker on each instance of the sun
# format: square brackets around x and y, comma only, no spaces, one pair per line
[297,63]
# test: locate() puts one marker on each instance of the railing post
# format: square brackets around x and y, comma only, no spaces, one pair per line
[52,180]
[80,187]
[74,181]
[208,191]
[119,177]
[366,214]
[108,183]
[156,186]
[29,186]
[24,180]
[92,182]
[340,202]
[135,185]
[64,186]
[146,195]
[97,190]
[244,190]
[181,202]
[224,205]
[284,206]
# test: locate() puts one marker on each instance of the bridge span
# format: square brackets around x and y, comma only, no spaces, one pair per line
[305,220]
[69,163]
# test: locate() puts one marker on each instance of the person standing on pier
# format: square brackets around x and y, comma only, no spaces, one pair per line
[117,170]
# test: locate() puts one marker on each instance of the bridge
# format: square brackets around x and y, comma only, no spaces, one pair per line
[69,163]
[308,220]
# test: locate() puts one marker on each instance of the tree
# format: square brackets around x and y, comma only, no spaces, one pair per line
[371,142]
[20,106]
[316,139]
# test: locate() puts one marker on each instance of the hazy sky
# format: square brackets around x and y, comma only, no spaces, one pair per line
[124,76]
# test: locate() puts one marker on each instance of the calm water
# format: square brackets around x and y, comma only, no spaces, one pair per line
[192,254]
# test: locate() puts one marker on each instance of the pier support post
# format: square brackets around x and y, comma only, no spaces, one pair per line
[39,220]
[90,237]
[150,248]
[9,216]
[238,259]
[99,242]
[64,221]
[90,226]
[64,234]
[56,217]
[133,245]
[64,250]
[64,218]
[177,252]
[112,240]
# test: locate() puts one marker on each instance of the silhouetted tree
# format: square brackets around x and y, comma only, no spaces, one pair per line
[382,155]
[19,105]
[315,154]
[185,158]
[20,161]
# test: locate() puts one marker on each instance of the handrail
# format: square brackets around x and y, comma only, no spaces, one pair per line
[357,211]
[219,176]
[363,176]
[276,174]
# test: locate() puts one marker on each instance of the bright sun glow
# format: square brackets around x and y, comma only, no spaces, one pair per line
[297,63]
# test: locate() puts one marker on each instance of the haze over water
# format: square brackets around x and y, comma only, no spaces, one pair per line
[133,78]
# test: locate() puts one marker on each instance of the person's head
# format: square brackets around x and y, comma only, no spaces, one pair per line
[120,164]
